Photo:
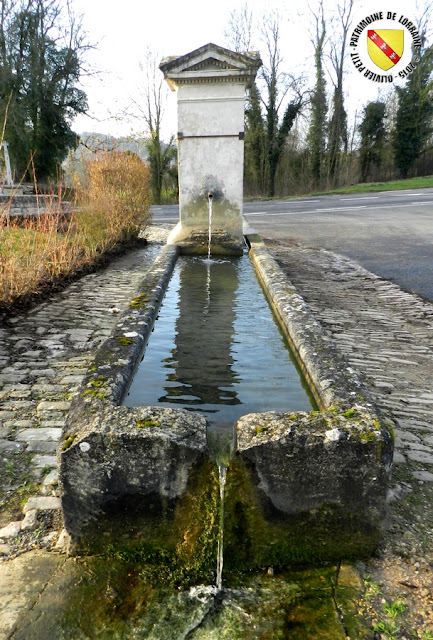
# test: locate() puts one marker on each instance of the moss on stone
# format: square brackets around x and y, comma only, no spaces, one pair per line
[94,393]
[100,381]
[176,543]
[139,301]
[148,422]
[256,535]
[68,441]
[351,413]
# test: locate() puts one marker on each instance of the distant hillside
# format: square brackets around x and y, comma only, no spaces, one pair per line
[93,142]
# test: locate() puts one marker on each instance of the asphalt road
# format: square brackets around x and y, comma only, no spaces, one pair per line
[389,232]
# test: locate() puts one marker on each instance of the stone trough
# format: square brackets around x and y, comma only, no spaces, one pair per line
[301,487]
[317,481]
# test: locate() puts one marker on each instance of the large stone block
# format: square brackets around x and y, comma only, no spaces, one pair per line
[123,468]
[320,479]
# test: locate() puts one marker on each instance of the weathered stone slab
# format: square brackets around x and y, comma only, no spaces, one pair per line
[115,456]
[325,475]
[47,406]
[31,571]
[40,461]
[41,447]
[30,521]
[331,380]
[10,445]
[42,503]
[48,434]
[424,476]
[10,531]
[420,456]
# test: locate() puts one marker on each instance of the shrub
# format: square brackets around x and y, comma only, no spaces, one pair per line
[113,205]
[110,209]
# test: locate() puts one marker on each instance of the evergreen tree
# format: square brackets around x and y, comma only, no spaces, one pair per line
[40,74]
[414,123]
[337,140]
[318,124]
[255,158]
[373,137]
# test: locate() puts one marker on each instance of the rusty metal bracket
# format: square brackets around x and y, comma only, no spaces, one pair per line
[239,135]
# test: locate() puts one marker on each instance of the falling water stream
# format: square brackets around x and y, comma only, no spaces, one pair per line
[220,560]
[210,199]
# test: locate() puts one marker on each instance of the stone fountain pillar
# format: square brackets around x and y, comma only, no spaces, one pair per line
[211,85]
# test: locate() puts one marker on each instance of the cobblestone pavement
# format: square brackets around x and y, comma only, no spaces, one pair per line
[386,334]
[44,355]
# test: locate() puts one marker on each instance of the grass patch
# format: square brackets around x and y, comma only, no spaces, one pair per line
[394,185]
[363,187]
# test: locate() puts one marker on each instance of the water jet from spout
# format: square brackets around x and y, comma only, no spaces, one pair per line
[220,560]
[210,200]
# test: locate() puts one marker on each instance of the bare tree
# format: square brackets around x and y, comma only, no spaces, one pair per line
[150,107]
[277,84]
[338,122]
[240,29]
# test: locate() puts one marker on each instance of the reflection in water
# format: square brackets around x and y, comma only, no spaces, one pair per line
[216,347]
[202,361]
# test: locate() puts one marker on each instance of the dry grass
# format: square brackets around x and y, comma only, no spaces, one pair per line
[110,210]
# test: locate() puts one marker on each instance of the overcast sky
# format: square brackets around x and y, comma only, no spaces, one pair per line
[123,29]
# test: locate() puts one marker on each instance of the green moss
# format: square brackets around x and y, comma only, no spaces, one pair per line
[139,301]
[100,381]
[124,341]
[175,543]
[351,413]
[68,441]
[260,430]
[148,422]
[367,436]
[257,535]
[94,393]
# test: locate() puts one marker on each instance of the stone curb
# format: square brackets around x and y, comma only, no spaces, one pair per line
[331,379]
[117,357]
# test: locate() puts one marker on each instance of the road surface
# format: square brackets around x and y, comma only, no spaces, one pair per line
[388,232]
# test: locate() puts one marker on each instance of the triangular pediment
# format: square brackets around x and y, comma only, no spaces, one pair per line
[210,62]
